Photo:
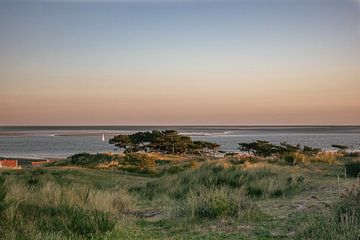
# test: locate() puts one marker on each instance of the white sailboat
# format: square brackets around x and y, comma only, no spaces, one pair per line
[103,138]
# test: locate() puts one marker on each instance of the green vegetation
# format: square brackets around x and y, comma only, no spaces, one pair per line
[211,199]
[168,142]
[266,149]
[218,202]
[340,147]
[353,168]
[86,160]
[40,207]
[339,221]
[2,196]
[142,195]
[257,181]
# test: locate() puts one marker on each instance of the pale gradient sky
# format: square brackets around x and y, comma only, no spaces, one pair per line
[180,62]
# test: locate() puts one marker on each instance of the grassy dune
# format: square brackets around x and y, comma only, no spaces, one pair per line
[167,197]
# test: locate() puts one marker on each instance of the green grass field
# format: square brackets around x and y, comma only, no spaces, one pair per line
[190,198]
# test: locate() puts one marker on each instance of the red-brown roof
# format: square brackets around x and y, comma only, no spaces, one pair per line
[8,163]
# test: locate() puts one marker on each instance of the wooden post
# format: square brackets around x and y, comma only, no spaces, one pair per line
[338,181]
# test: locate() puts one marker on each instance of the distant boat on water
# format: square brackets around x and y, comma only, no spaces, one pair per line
[103,138]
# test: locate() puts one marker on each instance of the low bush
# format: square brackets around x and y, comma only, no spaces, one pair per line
[140,160]
[87,160]
[325,157]
[214,203]
[352,154]
[295,158]
[353,168]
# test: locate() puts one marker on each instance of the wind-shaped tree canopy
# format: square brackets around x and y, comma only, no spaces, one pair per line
[167,141]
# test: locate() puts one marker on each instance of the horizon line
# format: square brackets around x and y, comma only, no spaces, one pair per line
[179,125]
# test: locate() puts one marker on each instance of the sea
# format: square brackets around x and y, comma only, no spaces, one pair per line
[63,141]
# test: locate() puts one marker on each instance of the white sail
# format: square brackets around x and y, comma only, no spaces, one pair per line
[103,138]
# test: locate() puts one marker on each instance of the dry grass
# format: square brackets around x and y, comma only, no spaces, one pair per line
[113,202]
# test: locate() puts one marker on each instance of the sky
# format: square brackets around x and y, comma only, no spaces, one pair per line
[180,62]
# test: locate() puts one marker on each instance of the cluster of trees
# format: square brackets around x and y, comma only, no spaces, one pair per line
[168,141]
[266,149]
[340,147]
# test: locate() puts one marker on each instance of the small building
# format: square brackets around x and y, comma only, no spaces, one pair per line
[39,163]
[9,164]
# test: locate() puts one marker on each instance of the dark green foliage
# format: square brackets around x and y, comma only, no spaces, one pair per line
[218,202]
[310,151]
[203,148]
[259,148]
[168,141]
[353,168]
[230,154]
[352,154]
[290,159]
[87,159]
[217,207]
[33,179]
[254,191]
[266,149]
[341,147]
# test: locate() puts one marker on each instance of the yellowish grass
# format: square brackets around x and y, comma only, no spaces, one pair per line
[81,196]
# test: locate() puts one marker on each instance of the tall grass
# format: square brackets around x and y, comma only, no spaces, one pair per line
[341,221]
[39,208]
[213,203]
[256,180]
[294,158]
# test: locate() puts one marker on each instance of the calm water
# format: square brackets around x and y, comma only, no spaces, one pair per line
[57,141]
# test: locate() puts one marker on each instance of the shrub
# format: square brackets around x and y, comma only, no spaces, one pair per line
[294,158]
[87,160]
[352,154]
[213,203]
[324,157]
[140,160]
[340,147]
[267,149]
[353,168]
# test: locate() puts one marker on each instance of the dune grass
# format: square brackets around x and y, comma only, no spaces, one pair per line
[257,180]
[213,199]
[41,208]
[340,221]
